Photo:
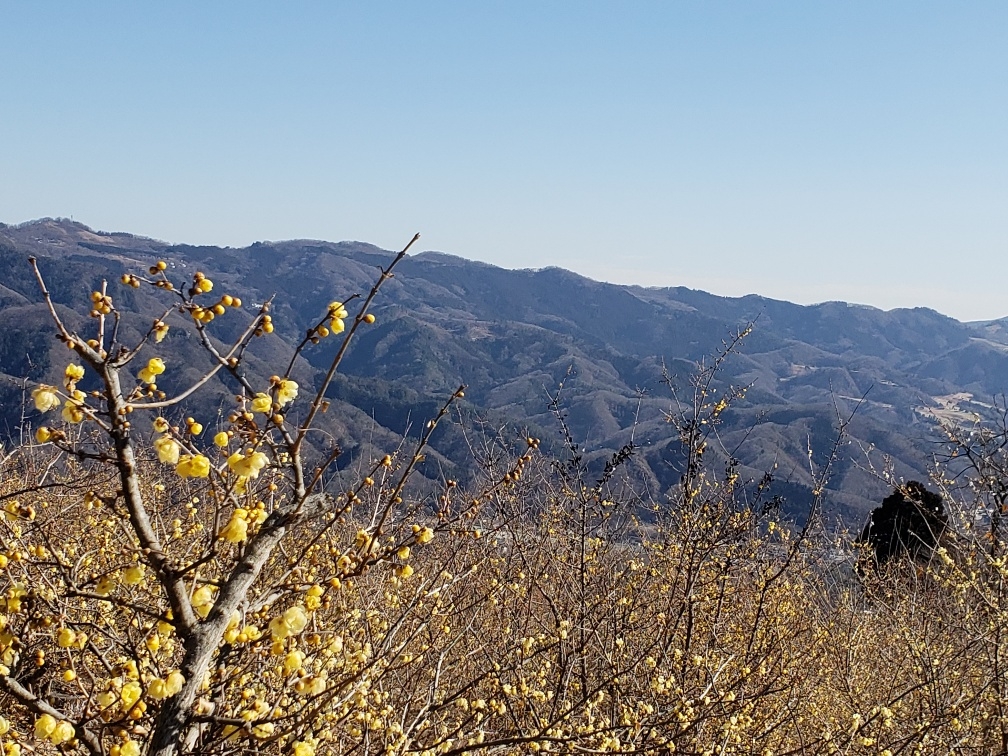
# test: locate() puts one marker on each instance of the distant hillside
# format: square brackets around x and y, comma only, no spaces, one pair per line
[514,336]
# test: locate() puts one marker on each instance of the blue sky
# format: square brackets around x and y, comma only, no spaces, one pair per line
[801,150]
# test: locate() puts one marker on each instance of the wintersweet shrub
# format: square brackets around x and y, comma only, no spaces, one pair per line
[198,589]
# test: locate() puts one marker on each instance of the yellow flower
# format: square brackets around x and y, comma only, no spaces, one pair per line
[263,730]
[73,373]
[65,637]
[130,694]
[287,392]
[156,689]
[174,682]
[44,726]
[43,434]
[303,748]
[133,575]
[231,631]
[72,412]
[205,285]
[160,425]
[336,314]
[130,669]
[296,619]
[193,466]
[236,529]
[202,595]
[160,689]
[167,449]
[129,748]
[45,398]
[262,404]
[221,439]
[155,367]
[202,600]
[291,622]
[62,733]
[247,466]
[317,684]
[160,331]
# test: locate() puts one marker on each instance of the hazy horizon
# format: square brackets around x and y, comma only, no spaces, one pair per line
[419,249]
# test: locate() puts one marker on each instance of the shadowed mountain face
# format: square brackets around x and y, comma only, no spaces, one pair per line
[514,336]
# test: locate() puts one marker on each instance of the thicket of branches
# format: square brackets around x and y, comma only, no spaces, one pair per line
[216,590]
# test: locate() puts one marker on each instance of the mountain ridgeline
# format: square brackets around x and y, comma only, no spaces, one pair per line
[514,338]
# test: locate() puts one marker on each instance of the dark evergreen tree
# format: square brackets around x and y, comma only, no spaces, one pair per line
[910,521]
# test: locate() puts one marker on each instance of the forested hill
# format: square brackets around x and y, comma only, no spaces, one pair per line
[514,336]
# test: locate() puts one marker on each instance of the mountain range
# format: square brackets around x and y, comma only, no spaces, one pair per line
[515,337]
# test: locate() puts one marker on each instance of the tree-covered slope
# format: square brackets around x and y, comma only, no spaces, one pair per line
[515,336]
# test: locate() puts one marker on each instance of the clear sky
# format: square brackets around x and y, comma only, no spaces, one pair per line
[800,150]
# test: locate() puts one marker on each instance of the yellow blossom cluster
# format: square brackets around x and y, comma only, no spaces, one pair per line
[101,304]
[205,314]
[56,731]
[237,528]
